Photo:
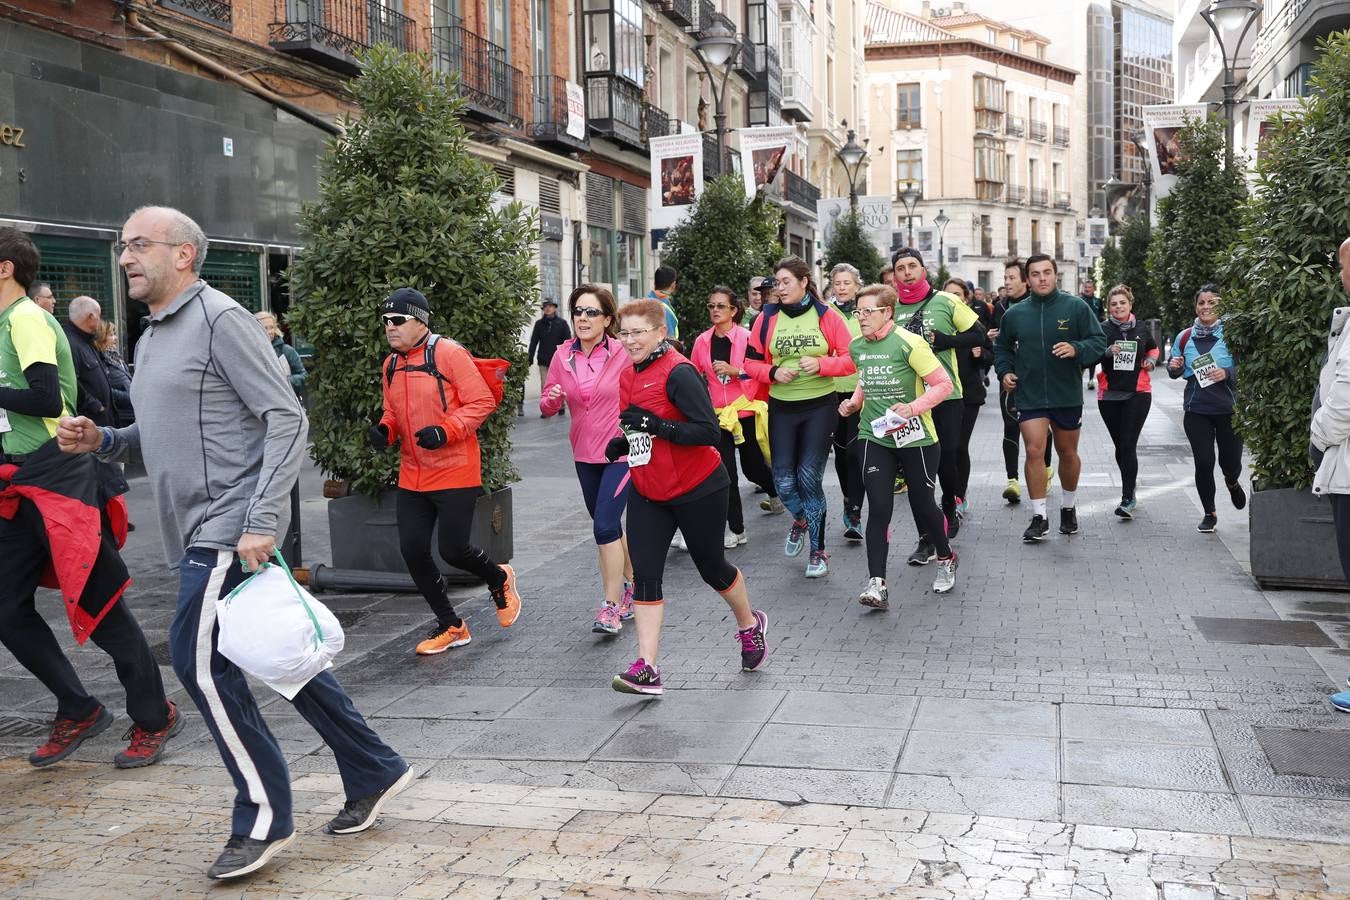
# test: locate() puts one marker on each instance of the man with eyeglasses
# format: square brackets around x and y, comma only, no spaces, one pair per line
[223,435]
[548,334]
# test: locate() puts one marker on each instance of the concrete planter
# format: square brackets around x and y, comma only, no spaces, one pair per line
[1293,541]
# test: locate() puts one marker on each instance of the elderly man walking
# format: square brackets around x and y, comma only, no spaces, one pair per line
[94,394]
[204,369]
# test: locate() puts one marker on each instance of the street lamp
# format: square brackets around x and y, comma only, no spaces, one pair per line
[941,220]
[717,49]
[1227,16]
[852,156]
[908,197]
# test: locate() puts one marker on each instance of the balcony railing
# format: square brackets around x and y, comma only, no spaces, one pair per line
[1061,135]
[219,13]
[1015,193]
[908,118]
[657,121]
[681,12]
[495,89]
[1012,246]
[551,114]
[1062,200]
[1014,126]
[333,32]
[710,158]
[746,59]
[1039,197]
[614,109]
[798,190]
[1059,252]
[769,70]
[1035,247]
[1036,130]
[703,12]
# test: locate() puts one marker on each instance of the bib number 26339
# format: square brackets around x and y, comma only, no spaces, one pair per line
[639,449]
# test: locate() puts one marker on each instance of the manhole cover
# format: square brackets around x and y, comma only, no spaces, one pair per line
[12,726]
[1321,753]
[161,654]
[1263,631]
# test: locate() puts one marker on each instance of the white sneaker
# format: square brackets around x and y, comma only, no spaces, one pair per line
[946,575]
[734,540]
[874,595]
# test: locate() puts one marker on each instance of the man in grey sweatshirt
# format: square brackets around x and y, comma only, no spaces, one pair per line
[222,436]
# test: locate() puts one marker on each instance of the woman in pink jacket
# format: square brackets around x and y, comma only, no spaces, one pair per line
[584,376]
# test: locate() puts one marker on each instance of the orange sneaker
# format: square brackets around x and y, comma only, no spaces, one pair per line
[509,610]
[441,639]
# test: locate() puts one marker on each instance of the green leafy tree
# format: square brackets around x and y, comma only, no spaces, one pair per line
[1132,269]
[849,243]
[404,203]
[1282,275]
[725,240]
[1107,268]
[1197,221]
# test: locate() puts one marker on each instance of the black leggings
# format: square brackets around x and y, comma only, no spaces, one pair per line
[919,465]
[754,464]
[1204,431]
[1125,420]
[1340,517]
[970,414]
[848,459]
[652,524]
[1012,437]
[452,511]
[947,417]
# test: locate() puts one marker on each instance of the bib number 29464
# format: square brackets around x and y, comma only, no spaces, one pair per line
[639,449]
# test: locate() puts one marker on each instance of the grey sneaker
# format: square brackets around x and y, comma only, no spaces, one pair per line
[874,595]
[243,855]
[946,575]
[358,815]
[773,506]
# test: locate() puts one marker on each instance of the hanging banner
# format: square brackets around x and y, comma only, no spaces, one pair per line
[1262,116]
[875,213]
[763,155]
[576,111]
[677,177]
[1161,126]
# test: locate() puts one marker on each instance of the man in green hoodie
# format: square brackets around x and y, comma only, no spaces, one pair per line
[1039,354]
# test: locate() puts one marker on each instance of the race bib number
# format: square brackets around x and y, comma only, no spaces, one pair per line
[1126,354]
[639,449]
[904,431]
[1205,368]
[4,422]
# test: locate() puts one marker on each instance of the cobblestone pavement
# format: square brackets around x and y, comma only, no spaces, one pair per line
[1013,737]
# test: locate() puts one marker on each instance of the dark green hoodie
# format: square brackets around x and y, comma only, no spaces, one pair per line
[1028,330]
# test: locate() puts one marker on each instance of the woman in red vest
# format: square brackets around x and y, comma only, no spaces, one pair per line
[670,438]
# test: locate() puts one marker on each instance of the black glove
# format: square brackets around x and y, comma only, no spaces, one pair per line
[431,438]
[635,418]
[379,437]
[941,340]
[617,446]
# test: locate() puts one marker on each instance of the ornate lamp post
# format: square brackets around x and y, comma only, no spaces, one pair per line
[1228,16]
[852,156]
[941,220]
[908,196]
[717,50]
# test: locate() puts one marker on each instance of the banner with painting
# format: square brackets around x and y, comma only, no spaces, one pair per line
[677,177]
[764,154]
[1262,116]
[1161,126]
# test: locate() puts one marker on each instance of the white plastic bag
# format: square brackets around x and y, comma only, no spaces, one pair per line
[275,631]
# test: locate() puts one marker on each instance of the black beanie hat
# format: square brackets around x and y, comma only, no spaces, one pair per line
[407,302]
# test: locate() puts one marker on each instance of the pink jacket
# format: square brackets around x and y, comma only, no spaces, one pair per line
[726,394]
[596,420]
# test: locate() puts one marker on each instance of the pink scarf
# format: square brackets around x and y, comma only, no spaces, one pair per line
[913,293]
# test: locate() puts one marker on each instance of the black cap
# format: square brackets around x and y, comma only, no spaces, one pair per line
[407,302]
[768,284]
[548,301]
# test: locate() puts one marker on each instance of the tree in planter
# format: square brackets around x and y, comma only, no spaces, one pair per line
[1282,272]
[850,244]
[404,203]
[1134,238]
[1197,222]
[725,240]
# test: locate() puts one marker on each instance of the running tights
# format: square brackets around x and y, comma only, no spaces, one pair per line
[848,459]
[970,414]
[799,439]
[1125,420]
[1204,432]
[452,512]
[947,417]
[752,462]
[919,466]
[651,525]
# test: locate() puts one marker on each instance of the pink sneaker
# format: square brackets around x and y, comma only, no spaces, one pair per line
[607,621]
[626,604]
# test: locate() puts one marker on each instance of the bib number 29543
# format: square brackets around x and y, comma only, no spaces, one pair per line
[639,449]
[909,432]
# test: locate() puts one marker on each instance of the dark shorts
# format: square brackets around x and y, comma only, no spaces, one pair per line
[1064,418]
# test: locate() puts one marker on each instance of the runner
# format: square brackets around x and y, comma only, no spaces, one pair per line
[1089,296]
[1038,354]
[900,382]
[584,375]
[1200,355]
[679,483]
[738,400]
[973,365]
[1123,390]
[947,324]
[845,281]
[798,347]
[1014,291]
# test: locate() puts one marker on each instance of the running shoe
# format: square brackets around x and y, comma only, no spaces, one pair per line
[900,485]
[1036,530]
[147,747]
[1049,476]
[733,539]
[923,554]
[1340,702]
[817,567]
[640,678]
[1237,495]
[852,527]
[754,648]
[443,637]
[952,524]
[67,735]
[358,815]
[946,574]
[773,506]
[626,604]
[607,620]
[875,595]
[1208,524]
[243,855]
[1068,520]
[796,538]
[1126,508]
[962,507]
[506,599]
[1013,492]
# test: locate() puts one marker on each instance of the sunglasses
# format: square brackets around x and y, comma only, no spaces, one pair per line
[589,312]
[713,306]
[396,321]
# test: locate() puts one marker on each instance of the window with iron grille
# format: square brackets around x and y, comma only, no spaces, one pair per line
[236,273]
[549,200]
[76,267]
[219,13]
[599,200]
[508,176]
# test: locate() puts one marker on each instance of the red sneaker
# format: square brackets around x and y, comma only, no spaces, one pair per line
[67,735]
[147,747]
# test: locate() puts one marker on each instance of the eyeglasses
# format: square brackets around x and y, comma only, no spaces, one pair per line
[140,245]
[864,312]
[589,312]
[396,321]
[636,332]
[713,306]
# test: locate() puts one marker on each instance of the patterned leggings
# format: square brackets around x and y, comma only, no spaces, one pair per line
[799,441]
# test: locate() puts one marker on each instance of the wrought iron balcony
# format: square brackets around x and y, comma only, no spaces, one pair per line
[1061,135]
[1014,126]
[745,60]
[1039,197]
[681,12]
[769,70]
[703,12]
[331,32]
[1015,193]
[614,110]
[710,158]
[1036,130]
[219,13]
[551,114]
[496,90]
[658,122]
[800,191]
[906,119]
[1062,200]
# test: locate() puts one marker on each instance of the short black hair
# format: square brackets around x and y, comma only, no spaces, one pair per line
[665,276]
[1209,287]
[906,253]
[16,247]
[1015,263]
[1040,257]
